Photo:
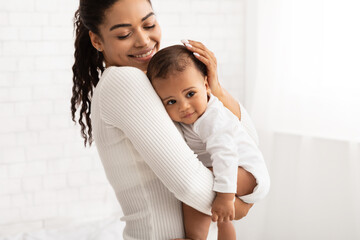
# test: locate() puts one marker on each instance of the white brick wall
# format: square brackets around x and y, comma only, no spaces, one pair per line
[46,175]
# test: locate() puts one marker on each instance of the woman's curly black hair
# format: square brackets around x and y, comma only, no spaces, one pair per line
[89,63]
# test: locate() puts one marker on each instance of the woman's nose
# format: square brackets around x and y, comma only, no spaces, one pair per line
[142,39]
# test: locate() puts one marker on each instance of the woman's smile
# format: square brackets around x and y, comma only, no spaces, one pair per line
[130,36]
[144,55]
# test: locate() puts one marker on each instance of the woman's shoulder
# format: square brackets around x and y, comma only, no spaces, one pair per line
[122,73]
[122,69]
[122,77]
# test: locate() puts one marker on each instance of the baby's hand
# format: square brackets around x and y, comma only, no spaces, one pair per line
[223,208]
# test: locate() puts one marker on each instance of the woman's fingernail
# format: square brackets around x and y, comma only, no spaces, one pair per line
[188,45]
[184,41]
[196,54]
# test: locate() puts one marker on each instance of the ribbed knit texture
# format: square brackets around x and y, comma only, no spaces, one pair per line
[145,158]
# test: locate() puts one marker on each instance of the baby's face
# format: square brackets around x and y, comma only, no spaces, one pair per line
[184,94]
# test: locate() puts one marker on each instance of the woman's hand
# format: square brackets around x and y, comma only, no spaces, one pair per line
[208,58]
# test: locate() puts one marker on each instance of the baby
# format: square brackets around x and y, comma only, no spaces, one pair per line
[213,133]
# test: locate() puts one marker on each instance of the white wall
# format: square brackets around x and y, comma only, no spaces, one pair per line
[302,83]
[302,59]
[47,177]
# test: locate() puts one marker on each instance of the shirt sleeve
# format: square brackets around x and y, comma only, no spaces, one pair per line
[216,130]
[129,102]
[231,146]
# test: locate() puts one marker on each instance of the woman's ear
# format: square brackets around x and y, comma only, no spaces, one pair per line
[96,41]
[208,90]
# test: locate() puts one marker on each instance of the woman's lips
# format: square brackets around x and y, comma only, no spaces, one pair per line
[144,55]
[147,55]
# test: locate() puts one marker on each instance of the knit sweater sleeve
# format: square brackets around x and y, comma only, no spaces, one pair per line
[129,103]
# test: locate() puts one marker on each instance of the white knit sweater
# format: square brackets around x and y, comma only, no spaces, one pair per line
[145,158]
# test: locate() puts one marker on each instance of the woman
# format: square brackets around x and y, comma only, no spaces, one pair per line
[144,156]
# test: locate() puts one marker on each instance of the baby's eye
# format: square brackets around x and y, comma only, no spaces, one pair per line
[171,102]
[190,94]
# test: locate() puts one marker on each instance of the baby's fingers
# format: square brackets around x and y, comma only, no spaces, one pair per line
[226,219]
[214,217]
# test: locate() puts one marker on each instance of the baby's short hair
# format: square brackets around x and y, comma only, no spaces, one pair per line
[172,59]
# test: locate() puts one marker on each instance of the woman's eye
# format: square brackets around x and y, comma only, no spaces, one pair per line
[149,27]
[190,94]
[123,37]
[171,102]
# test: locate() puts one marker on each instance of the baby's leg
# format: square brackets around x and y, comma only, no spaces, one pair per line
[226,231]
[246,183]
[196,223]
[241,208]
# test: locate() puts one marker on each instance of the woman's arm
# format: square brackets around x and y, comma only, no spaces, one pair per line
[209,59]
[129,103]
[228,101]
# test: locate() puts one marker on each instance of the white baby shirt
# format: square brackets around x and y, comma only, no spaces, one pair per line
[220,141]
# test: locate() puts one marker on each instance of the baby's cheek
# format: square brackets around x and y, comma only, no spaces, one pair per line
[172,115]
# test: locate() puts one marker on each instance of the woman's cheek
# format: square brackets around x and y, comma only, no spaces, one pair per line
[157,33]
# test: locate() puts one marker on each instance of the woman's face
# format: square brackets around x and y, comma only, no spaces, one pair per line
[130,34]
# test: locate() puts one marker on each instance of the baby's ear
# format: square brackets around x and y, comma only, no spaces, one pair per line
[207,86]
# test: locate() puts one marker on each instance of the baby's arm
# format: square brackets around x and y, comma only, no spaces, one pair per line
[230,146]
[246,183]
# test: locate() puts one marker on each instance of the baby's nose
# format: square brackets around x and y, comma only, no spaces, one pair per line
[184,105]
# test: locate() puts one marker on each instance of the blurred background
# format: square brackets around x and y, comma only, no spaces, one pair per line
[294,64]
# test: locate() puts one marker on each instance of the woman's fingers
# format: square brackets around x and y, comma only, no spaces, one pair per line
[208,58]
[202,59]
[201,53]
[201,48]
